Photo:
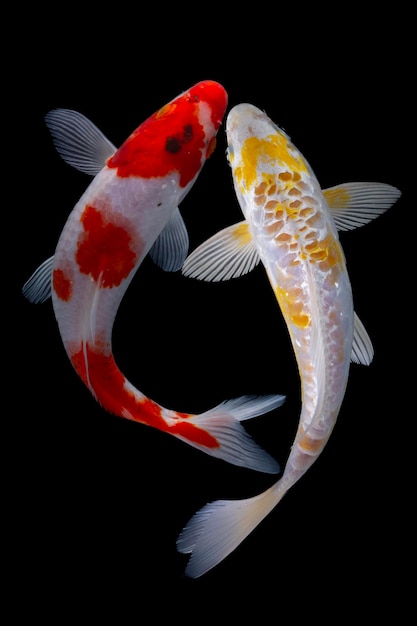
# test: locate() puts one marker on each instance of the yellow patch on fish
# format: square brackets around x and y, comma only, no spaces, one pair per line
[327,252]
[242,233]
[337,198]
[272,151]
[167,109]
[291,306]
[310,445]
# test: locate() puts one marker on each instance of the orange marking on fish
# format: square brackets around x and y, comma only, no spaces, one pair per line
[310,445]
[211,147]
[100,372]
[194,433]
[292,307]
[62,284]
[242,234]
[104,250]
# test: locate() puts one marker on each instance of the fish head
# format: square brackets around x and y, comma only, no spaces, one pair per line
[177,139]
[261,154]
[280,196]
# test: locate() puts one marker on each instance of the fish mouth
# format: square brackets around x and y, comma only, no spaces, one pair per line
[239,113]
[246,120]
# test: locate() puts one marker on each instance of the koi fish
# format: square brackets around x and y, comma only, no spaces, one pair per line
[129,209]
[291,225]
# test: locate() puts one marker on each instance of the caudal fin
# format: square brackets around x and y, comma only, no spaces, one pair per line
[227,438]
[219,527]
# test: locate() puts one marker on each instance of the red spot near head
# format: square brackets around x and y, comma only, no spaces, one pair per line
[173,139]
[62,284]
[104,249]
[215,95]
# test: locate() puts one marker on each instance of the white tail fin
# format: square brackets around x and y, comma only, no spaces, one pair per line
[234,444]
[219,527]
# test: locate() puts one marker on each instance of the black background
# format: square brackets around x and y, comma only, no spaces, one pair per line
[97,502]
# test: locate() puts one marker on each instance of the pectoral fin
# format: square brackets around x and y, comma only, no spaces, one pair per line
[78,141]
[170,249]
[229,253]
[355,204]
[38,287]
[362,350]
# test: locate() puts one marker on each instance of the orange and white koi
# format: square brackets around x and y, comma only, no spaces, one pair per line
[129,209]
[291,226]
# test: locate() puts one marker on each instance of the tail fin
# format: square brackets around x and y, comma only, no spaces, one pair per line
[219,527]
[218,432]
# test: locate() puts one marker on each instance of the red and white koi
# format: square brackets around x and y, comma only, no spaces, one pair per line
[129,209]
[291,226]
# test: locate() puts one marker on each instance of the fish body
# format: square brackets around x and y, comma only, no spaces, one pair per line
[291,225]
[130,209]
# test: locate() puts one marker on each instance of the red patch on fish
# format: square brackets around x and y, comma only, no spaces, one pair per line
[173,139]
[104,249]
[62,284]
[99,372]
[191,432]
[212,93]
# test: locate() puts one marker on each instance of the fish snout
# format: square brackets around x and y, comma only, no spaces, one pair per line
[245,120]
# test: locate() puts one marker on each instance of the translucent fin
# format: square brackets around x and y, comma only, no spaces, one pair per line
[38,287]
[355,204]
[78,141]
[219,527]
[248,407]
[236,446]
[362,349]
[170,249]
[229,253]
